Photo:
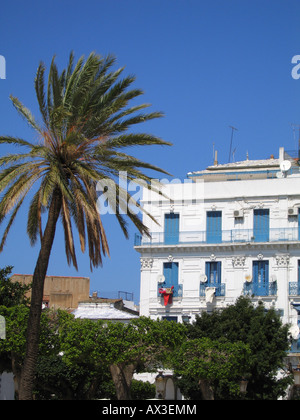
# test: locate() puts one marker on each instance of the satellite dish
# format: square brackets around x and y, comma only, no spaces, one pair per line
[279,175]
[161,278]
[248,278]
[285,165]
[203,278]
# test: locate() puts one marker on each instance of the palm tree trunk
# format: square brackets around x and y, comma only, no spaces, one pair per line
[33,329]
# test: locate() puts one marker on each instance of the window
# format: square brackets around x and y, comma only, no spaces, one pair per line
[213,274]
[170,271]
[171,274]
[261,277]
[170,318]
[214,227]
[261,285]
[261,225]
[171,229]
[294,286]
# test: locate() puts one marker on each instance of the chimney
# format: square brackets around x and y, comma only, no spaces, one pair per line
[216,158]
[281,154]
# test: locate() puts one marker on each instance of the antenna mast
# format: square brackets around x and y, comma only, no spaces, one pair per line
[232,129]
[297,125]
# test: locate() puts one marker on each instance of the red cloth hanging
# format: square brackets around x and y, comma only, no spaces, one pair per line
[167,293]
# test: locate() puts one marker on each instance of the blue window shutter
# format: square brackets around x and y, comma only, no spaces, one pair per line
[168,273]
[261,225]
[174,274]
[214,227]
[213,272]
[261,278]
[266,279]
[255,272]
[171,229]
[207,271]
[219,272]
[171,274]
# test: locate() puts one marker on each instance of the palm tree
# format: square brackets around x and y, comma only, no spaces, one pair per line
[82,138]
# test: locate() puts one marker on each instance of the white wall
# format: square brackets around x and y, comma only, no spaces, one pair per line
[7,389]
[192,201]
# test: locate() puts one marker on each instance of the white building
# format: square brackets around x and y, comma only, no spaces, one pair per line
[226,231]
[97,308]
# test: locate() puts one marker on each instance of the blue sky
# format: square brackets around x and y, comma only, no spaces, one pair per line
[207,64]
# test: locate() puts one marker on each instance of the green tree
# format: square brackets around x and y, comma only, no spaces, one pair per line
[264,333]
[210,364]
[123,349]
[81,140]
[12,349]
[60,381]
[12,293]
[143,345]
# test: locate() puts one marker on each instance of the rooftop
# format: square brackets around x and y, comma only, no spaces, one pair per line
[101,310]
[246,169]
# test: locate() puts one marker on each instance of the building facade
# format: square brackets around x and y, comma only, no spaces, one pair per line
[62,292]
[227,231]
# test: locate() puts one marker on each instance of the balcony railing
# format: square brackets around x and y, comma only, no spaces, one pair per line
[294,288]
[295,346]
[220,288]
[260,289]
[226,236]
[177,290]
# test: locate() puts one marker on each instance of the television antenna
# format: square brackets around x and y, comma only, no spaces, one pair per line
[297,125]
[232,130]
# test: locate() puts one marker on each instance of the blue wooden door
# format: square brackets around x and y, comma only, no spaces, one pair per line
[214,227]
[171,229]
[261,278]
[261,225]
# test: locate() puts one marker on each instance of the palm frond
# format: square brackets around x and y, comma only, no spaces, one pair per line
[87,117]
[34,220]
[25,113]
[69,240]
[39,84]
[15,141]
[135,139]
[9,225]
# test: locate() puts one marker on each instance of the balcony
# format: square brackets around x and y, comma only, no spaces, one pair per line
[226,236]
[177,290]
[294,288]
[220,288]
[295,346]
[260,289]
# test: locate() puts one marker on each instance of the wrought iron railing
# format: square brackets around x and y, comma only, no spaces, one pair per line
[295,346]
[220,288]
[294,288]
[177,289]
[225,236]
[260,289]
